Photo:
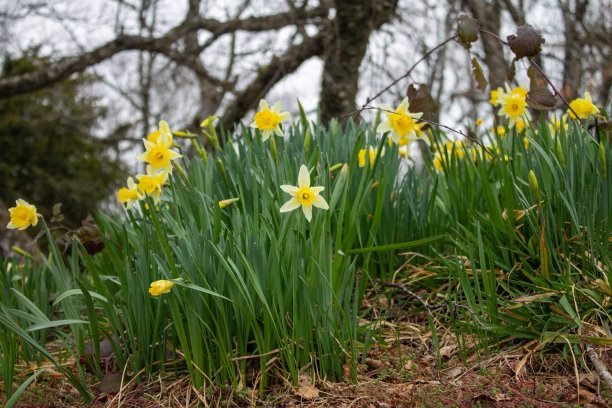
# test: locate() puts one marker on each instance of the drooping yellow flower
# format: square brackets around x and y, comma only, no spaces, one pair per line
[583,107]
[401,124]
[152,182]
[160,287]
[520,125]
[371,156]
[526,142]
[159,155]
[22,215]
[304,195]
[268,120]
[130,194]
[163,129]
[479,121]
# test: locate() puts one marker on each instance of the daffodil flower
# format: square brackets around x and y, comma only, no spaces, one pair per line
[163,129]
[152,182]
[268,119]
[513,105]
[304,195]
[401,123]
[160,287]
[371,156]
[130,194]
[22,215]
[159,154]
[583,107]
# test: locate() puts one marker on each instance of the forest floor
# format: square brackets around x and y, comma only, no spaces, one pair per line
[404,370]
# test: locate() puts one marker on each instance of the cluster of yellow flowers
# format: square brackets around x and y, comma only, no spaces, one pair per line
[159,155]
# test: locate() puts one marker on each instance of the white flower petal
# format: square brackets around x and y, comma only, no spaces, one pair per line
[384,127]
[284,116]
[263,105]
[253,125]
[307,212]
[266,134]
[142,157]
[289,189]
[278,131]
[163,127]
[317,189]
[303,177]
[290,205]
[403,107]
[320,202]
[276,107]
[148,145]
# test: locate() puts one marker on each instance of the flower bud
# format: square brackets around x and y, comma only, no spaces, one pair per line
[533,184]
[225,203]
[335,167]
[222,171]
[560,153]
[307,141]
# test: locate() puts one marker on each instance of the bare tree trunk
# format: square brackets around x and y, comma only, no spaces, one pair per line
[572,61]
[350,33]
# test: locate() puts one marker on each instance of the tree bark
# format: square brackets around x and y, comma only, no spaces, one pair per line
[488,15]
[346,46]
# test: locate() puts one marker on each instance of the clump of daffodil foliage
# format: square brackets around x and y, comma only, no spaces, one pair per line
[209,270]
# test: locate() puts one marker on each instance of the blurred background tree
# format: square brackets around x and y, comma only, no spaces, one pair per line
[49,152]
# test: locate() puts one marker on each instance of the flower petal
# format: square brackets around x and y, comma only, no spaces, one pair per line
[403,107]
[317,189]
[289,189]
[303,177]
[263,105]
[383,127]
[320,202]
[276,107]
[307,212]
[278,131]
[266,134]
[290,205]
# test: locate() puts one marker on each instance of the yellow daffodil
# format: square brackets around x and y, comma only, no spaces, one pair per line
[514,107]
[501,131]
[372,155]
[160,287]
[497,94]
[152,182]
[159,154]
[583,107]
[268,119]
[526,142]
[163,129]
[513,104]
[304,195]
[130,194]
[479,121]
[401,124]
[22,215]
[494,95]
[520,125]
[439,162]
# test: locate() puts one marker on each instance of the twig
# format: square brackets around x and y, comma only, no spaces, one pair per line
[424,57]
[603,373]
